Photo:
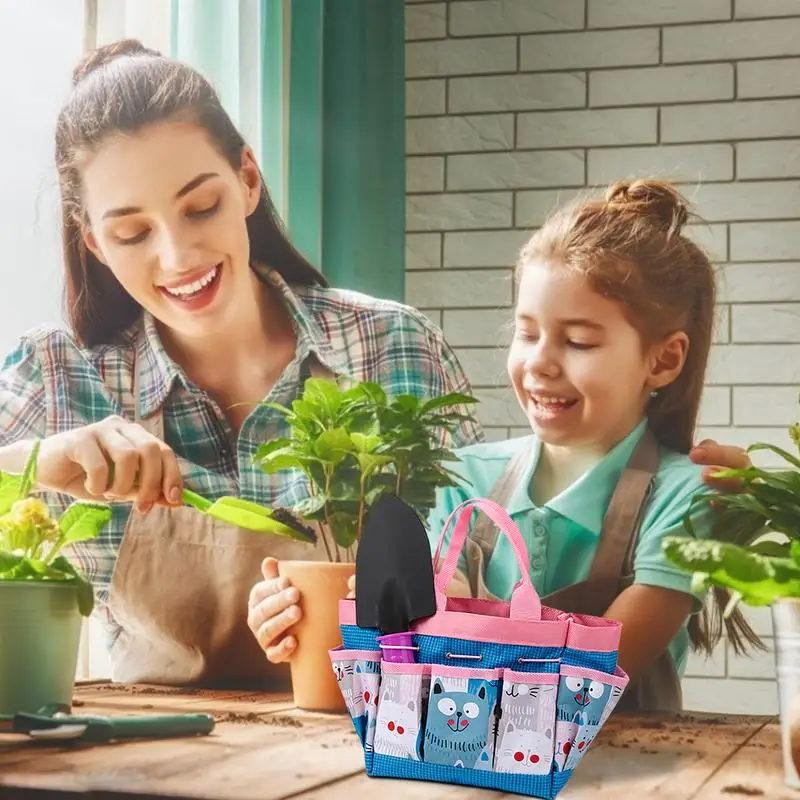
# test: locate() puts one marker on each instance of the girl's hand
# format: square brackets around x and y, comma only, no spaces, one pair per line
[110,460]
[719,457]
[272,610]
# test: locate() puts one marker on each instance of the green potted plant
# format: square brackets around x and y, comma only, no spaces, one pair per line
[43,597]
[755,556]
[353,445]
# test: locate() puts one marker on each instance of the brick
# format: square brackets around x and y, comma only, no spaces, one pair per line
[434,315]
[753,364]
[744,9]
[483,248]
[699,665]
[715,408]
[423,250]
[425,174]
[485,367]
[778,322]
[461,57]
[428,21]
[759,282]
[590,128]
[751,402]
[499,407]
[722,325]
[589,50]
[519,92]
[486,17]
[746,201]
[533,208]
[759,618]
[460,134]
[622,13]
[483,328]
[679,163]
[770,159]
[712,238]
[755,664]
[732,41]
[652,85]
[425,97]
[751,119]
[495,434]
[516,170]
[436,212]
[773,78]
[744,437]
[765,241]
[730,696]
[458,289]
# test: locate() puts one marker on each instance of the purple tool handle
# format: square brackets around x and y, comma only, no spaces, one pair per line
[397,648]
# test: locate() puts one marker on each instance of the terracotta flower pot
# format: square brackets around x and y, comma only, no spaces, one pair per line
[321,586]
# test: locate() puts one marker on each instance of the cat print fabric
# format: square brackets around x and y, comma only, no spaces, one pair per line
[580,704]
[526,733]
[359,677]
[461,720]
[400,712]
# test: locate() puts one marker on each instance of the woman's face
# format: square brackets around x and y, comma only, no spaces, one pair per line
[167,215]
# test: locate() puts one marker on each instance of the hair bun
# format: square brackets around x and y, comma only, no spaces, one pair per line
[95,59]
[656,199]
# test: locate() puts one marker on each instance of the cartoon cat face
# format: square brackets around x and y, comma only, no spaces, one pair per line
[524,751]
[457,712]
[397,726]
[581,699]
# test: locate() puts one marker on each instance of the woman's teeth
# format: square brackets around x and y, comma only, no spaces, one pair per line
[195,286]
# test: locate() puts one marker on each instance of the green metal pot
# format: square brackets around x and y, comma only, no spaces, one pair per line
[40,630]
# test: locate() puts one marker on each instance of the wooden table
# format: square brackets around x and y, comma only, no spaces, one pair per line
[263,748]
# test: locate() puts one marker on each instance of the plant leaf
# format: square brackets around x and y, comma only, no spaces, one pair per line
[83,521]
[452,399]
[84,588]
[343,527]
[9,491]
[785,454]
[29,473]
[310,506]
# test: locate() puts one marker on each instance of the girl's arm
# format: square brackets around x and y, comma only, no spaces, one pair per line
[651,617]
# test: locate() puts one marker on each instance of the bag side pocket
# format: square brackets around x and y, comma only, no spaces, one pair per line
[358,673]
[526,729]
[461,720]
[398,727]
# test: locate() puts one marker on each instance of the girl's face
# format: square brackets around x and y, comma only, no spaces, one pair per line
[167,215]
[578,367]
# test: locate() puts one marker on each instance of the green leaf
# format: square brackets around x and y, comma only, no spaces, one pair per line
[344,530]
[366,443]
[407,402]
[452,399]
[29,473]
[84,588]
[324,394]
[83,521]
[286,459]
[785,454]
[333,445]
[310,506]
[8,562]
[9,491]
[771,548]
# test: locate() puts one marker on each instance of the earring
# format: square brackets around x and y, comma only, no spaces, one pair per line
[654,393]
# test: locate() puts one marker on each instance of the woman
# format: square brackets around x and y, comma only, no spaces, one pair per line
[184,299]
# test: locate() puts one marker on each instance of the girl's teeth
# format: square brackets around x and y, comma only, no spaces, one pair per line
[195,286]
[551,401]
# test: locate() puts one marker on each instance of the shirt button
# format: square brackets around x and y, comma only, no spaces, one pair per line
[539,530]
[537,563]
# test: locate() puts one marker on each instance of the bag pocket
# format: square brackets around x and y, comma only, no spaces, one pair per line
[358,673]
[583,697]
[461,720]
[398,729]
[526,727]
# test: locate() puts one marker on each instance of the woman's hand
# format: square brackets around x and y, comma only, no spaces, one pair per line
[272,610]
[112,460]
[716,458]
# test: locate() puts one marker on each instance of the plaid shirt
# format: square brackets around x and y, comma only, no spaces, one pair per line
[48,384]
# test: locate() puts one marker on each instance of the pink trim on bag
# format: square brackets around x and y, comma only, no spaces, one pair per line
[398,668]
[601,635]
[446,671]
[619,678]
[340,654]
[530,677]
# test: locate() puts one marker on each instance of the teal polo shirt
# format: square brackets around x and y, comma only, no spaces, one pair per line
[562,535]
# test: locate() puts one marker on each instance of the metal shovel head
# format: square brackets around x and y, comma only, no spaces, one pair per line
[394,568]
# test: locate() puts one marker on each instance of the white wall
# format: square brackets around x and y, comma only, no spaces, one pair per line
[40,42]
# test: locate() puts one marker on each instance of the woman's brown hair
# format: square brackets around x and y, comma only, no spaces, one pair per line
[630,247]
[121,88]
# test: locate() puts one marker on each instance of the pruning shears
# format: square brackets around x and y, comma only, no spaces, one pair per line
[56,723]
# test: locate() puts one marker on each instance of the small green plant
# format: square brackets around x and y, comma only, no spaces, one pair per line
[755,552]
[354,445]
[31,540]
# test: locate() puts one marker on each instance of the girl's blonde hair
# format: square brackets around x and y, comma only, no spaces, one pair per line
[630,247]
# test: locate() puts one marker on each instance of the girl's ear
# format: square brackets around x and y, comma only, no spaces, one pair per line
[667,358]
[90,241]
[251,178]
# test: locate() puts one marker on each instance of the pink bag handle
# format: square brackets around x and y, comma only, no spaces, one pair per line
[525,602]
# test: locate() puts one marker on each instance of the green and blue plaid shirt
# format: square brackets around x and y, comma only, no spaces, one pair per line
[49,384]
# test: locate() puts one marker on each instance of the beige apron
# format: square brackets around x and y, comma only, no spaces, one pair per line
[612,567]
[180,592]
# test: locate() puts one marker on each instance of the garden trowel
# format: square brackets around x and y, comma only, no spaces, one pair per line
[394,568]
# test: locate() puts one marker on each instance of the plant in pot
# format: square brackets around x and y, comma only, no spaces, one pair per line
[353,445]
[755,556]
[43,597]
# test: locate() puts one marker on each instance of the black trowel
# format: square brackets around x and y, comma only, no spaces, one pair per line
[394,568]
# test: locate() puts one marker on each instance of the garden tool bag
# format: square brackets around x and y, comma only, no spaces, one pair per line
[497,695]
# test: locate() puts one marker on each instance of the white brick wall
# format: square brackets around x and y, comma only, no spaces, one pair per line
[516,106]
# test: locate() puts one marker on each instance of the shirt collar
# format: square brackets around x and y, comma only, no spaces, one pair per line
[586,501]
[158,372]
